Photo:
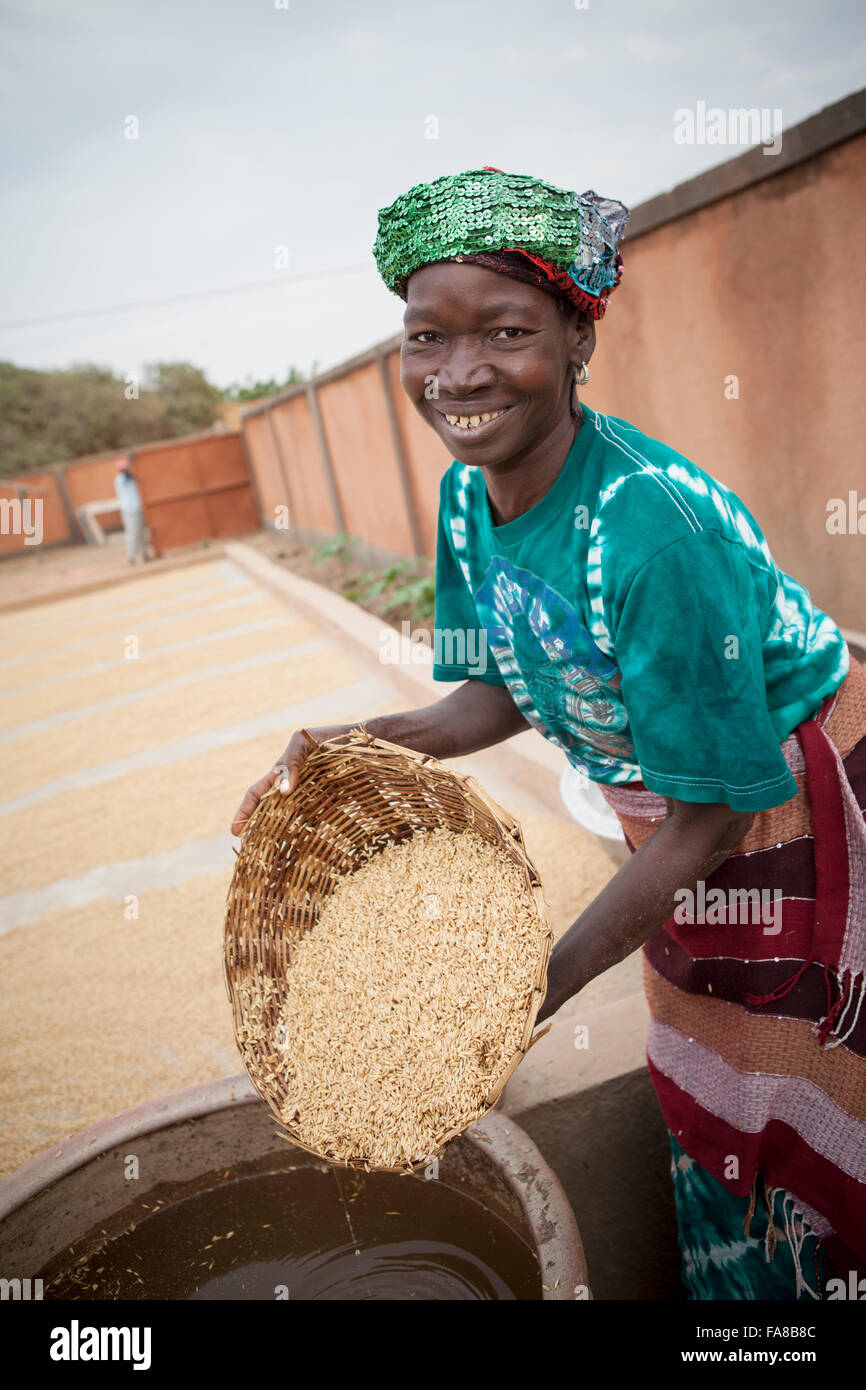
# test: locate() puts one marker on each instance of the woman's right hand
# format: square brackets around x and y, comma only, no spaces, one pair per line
[473,716]
[284,772]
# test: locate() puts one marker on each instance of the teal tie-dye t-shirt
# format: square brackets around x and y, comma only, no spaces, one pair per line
[638,619]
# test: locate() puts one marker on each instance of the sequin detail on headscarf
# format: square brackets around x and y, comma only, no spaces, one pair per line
[565,243]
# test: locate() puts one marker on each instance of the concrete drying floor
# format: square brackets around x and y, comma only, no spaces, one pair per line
[120,777]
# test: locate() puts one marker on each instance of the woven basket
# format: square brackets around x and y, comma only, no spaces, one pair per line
[354,791]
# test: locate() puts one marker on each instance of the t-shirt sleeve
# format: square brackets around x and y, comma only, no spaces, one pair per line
[687,639]
[461,651]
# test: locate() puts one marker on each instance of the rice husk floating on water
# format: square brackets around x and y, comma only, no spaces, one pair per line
[386,953]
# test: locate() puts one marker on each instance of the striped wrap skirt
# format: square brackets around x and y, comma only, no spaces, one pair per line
[757,1042]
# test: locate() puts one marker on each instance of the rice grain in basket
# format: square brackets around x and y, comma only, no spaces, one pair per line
[386,953]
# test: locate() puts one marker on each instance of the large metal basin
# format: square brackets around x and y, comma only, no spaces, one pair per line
[188,1140]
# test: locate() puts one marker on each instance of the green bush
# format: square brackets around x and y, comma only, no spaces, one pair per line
[49,417]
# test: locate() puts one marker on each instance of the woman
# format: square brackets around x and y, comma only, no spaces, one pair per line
[637,619]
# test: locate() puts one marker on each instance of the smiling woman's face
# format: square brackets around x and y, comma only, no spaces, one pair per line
[497,347]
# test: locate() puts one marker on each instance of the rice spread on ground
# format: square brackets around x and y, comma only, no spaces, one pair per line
[407,999]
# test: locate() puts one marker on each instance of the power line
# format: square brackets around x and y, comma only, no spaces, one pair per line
[186,298]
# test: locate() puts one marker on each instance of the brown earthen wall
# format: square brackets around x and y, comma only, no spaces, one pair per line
[768,286]
[355,419]
[269,476]
[310,498]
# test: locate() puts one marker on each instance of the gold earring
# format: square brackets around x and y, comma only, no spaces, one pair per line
[581,374]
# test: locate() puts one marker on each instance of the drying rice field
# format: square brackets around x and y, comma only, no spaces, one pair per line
[131,720]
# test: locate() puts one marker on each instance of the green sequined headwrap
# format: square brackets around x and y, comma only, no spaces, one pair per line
[564,242]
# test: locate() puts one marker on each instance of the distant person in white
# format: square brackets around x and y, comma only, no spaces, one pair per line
[131,510]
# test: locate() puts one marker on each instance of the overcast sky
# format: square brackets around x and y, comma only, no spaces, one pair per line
[262,127]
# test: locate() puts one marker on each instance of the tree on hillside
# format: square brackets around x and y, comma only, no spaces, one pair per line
[189,402]
[48,417]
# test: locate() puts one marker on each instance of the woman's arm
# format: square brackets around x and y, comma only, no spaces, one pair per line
[689,845]
[474,716]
